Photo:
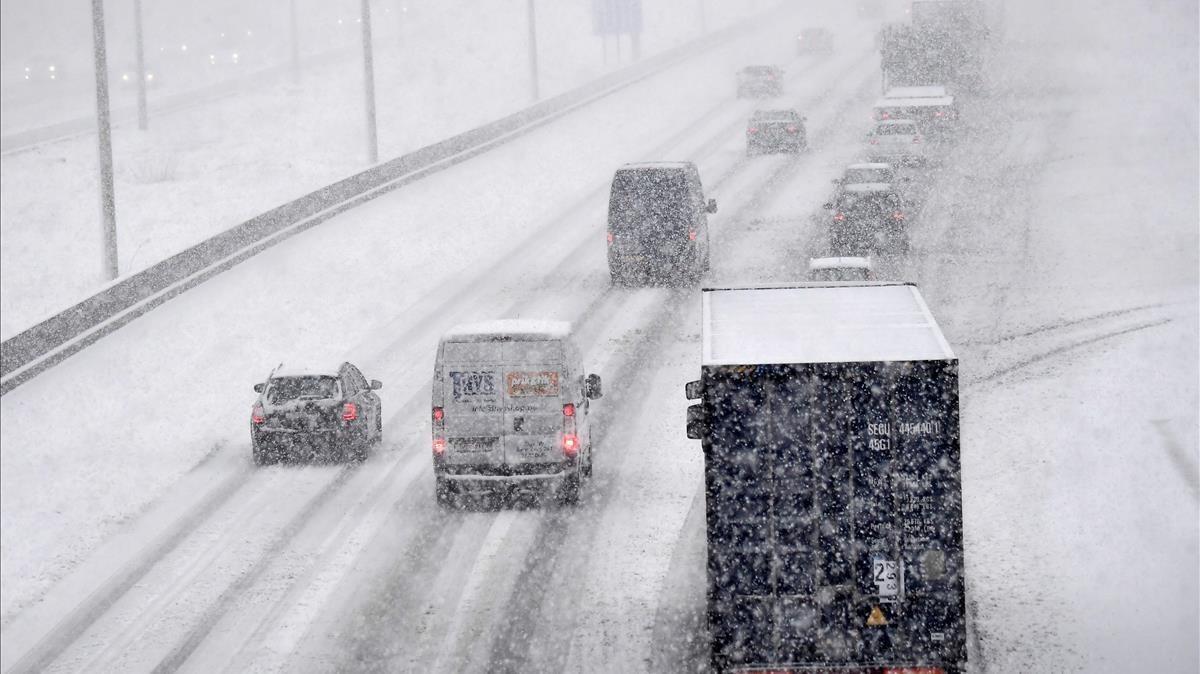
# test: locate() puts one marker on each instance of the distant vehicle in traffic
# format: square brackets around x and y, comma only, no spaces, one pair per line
[760,82]
[303,413]
[866,217]
[840,269]
[776,131]
[658,224]
[931,107]
[814,41]
[897,140]
[867,172]
[511,409]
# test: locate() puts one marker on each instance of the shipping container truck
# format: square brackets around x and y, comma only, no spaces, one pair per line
[828,416]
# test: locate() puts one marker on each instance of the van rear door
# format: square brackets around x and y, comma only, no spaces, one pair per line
[533,384]
[471,381]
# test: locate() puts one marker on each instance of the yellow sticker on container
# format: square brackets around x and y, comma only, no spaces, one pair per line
[876,619]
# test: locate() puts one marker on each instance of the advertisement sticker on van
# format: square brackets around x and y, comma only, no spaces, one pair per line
[522,384]
[473,384]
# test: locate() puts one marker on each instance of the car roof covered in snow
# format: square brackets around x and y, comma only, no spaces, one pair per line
[930,91]
[506,330]
[861,188]
[932,102]
[657,165]
[301,369]
[839,263]
[819,323]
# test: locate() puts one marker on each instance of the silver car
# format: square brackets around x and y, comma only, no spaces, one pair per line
[511,409]
[898,140]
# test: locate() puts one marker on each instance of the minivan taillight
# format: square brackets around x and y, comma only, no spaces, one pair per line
[691,235]
[257,416]
[570,445]
[569,410]
[438,414]
[349,412]
[610,238]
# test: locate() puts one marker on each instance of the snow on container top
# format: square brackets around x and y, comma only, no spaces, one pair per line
[923,102]
[819,323]
[932,91]
[504,330]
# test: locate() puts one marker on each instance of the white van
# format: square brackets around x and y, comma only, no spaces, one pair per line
[511,408]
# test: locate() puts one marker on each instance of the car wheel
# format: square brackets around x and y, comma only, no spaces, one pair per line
[568,493]
[444,492]
[587,465]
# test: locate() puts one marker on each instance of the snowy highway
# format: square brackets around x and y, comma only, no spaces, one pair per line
[1074,318]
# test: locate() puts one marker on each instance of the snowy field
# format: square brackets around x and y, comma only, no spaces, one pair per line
[137,534]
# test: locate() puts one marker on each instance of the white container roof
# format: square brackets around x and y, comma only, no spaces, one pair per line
[819,323]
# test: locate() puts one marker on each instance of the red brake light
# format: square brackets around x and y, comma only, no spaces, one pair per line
[438,414]
[939,113]
[792,129]
[439,446]
[349,412]
[753,129]
[570,444]
[839,217]
[610,237]
[898,215]
[916,139]
[692,235]
[885,115]
[257,416]
[569,410]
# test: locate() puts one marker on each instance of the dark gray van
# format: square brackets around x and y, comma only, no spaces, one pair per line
[658,224]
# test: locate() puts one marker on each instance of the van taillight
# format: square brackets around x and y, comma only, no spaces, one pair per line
[349,412]
[439,446]
[610,238]
[438,414]
[257,416]
[692,235]
[569,410]
[570,445]
[839,217]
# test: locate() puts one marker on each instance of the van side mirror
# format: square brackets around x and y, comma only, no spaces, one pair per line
[591,387]
[259,388]
[376,384]
[712,206]
[828,205]
[696,423]
[693,390]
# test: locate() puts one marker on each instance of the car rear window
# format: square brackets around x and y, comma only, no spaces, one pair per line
[895,129]
[775,115]
[838,274]
[316,387]
[655,199]
[861,176]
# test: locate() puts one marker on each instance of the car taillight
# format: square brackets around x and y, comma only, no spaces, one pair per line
[939,113]
[257,416]
[570,445]
[439,446]
[570,441]
[610,238]
[438,414]
[753,129]
[916,139]
[839,217]
[691,235]
[898,215]
[885,115]
[792,129]
[349,412]
[874,141]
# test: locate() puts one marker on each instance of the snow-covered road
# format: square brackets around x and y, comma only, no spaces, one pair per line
[1075,324]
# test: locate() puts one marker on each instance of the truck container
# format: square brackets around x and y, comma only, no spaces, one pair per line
[828,416]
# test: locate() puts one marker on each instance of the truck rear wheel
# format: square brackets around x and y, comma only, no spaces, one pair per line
[444,492]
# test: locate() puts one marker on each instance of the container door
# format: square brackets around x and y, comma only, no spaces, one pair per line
[472,377]
[533,385]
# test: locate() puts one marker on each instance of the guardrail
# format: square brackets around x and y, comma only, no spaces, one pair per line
[25,355]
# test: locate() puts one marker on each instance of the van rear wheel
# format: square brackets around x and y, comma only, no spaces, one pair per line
[568,493]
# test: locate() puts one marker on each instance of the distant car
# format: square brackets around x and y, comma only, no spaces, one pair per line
[511,409]
[304,413]
[814,41]
[868,217]
[898,140]
[128,76]
[840,269]
[41,69]
[760,82]
[776,131]
[658,224]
